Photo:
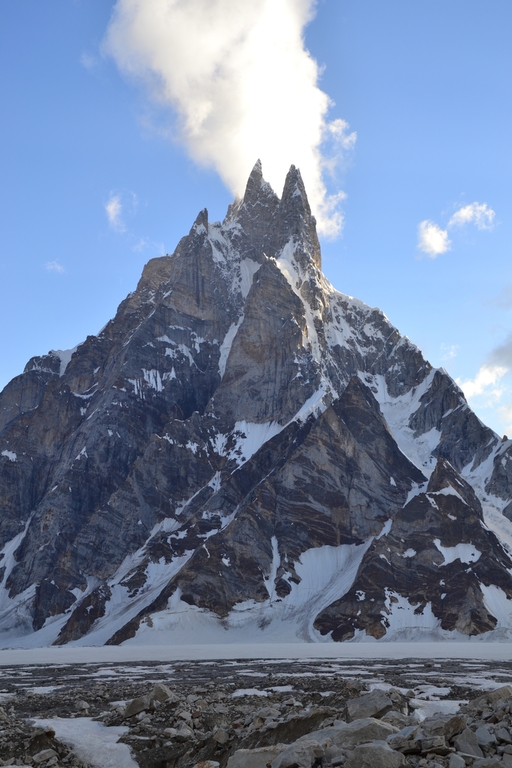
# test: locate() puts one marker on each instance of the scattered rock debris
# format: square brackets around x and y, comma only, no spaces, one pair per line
[257,714]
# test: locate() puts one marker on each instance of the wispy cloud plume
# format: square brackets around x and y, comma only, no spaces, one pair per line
[432,240]
[243,85]
[88,61]
[54,266]
[476,213]
[114,209]
[449,351]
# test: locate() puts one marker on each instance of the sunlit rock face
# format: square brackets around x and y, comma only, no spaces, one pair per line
[243,452]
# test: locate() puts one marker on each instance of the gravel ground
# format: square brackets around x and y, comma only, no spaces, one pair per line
[224,704]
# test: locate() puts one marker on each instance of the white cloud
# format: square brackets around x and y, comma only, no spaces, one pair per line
[144,243]
[243,85]
[491,390]
[476,213]
[449,351]
[486,382]
[114,210]
[432,240]
[88,61]
[54,266]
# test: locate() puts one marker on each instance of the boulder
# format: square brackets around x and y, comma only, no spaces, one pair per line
[163,693]
[503,735]
[373,704]
[484,737]
[491,698]
[444,725]
[398,719]
[407,741]
[207,764]
[341,735]
[44,756]
[456,761]
[375,755]
[302,754]
[255,758]
[133,707]
[184,734]
[221,736]
[467,743]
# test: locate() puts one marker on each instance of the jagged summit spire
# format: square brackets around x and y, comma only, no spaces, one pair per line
[295,217]
[258,191]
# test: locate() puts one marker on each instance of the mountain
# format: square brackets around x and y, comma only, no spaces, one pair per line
[243,452]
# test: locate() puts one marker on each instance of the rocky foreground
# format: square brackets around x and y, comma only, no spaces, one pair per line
[255,714]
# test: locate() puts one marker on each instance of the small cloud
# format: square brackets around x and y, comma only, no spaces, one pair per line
[449,351]
[478,214]
[432,240]
[88,61]
[486,382]
[113,210]
[144,243]
[490,389]
[54,266]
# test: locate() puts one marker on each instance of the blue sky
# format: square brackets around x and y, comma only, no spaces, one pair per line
[425,85]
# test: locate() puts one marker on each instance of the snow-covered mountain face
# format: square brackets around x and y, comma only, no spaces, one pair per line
[243,452]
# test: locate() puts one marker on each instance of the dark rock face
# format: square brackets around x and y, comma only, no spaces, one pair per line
[241,434]
[440,530]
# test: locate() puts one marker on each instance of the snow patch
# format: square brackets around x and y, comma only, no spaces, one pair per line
[9,455]
[92,741]
[397,411]
[248,692]
[225,347]
[403,617]
[65,356]
[466,553]
[249,437]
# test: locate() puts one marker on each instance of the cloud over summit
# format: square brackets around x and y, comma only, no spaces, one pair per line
[243,85]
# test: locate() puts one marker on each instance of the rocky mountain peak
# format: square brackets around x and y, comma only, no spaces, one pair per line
[201,220]
[295,222]
[243,447]
[445,479]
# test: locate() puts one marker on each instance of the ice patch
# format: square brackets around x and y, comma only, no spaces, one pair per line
[9,455]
